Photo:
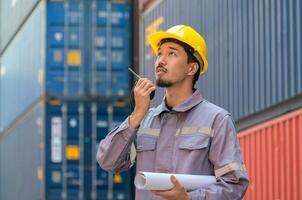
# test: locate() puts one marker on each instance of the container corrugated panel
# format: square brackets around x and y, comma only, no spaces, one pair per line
[73,131]
[273,158]
[21,157]
[21,77]
[92,57]
[13,14]
[65,48]
[111,39]
[254,49]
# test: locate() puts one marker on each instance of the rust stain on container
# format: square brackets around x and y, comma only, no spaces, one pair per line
[272,153]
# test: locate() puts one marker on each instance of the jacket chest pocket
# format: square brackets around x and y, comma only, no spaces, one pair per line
[193,142]
[145,148]
[191,152]
[145,143]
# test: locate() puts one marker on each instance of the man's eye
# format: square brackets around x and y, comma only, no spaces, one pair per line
[172,53]
[159,54]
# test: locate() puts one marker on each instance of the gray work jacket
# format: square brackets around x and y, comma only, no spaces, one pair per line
[195,137]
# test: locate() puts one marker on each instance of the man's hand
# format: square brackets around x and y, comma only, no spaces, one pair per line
[142,91]
[178,192]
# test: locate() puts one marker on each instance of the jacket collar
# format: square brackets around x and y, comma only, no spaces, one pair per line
[186,105]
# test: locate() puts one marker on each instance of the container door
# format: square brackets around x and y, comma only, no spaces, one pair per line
[64,151]
[107,185]
[65,72]
[110,57]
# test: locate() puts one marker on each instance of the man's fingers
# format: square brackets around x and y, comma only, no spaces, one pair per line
[169,193]
[177,192]
[165,194]
[175,182]
[147,86]
[138,82]
[141,82]
[149,90]
[143,86]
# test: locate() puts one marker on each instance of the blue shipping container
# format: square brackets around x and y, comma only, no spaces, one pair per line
[49,71]
[77,174]
[78,49]
[51,152]
[87,39]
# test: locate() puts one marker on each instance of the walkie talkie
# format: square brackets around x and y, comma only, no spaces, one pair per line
[137,76]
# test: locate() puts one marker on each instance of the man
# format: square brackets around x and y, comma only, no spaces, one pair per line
[185,134]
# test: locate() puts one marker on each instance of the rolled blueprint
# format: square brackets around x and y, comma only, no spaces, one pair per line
[161,181]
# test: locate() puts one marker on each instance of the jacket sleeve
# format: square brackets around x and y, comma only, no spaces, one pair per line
[116,152]
[225,155]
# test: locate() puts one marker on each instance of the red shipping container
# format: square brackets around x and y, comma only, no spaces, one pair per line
[272,154]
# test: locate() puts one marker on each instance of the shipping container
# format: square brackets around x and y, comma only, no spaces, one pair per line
[49,153]
[74,121]
[81,36]
[65,48]
[61,51]
[273,158]
[64,83]
[21,75]
[254,49]
[13,14]
[111,39]
[21,157]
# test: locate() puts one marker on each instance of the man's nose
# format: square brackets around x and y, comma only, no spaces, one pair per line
[161,60]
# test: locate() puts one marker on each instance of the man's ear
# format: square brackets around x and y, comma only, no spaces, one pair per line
[193,68]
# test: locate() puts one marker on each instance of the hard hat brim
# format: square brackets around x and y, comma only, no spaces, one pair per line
[156,37]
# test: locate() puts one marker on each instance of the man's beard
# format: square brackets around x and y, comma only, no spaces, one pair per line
[162,83]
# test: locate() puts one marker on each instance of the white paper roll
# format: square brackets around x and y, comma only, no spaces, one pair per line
[161,181]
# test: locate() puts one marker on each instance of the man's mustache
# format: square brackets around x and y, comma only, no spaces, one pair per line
[161,68]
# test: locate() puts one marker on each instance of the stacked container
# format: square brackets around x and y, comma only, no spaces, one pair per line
[64,84]
[272,151]
[254,56]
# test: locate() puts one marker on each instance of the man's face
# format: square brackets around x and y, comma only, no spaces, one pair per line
[171,66]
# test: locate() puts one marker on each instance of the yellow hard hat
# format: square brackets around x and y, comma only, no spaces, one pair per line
[185,34]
